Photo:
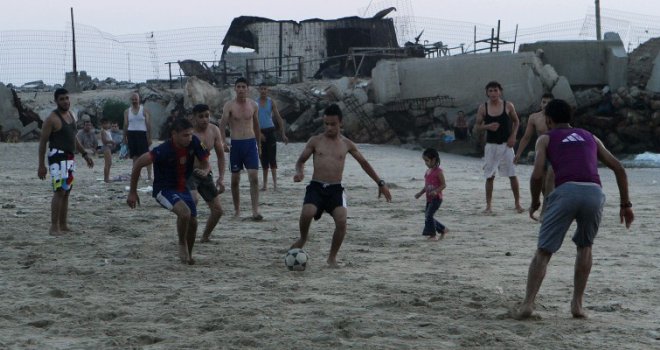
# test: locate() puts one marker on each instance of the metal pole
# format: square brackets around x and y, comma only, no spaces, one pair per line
[515,38]
[73,37]
[474,44]
[279,73]
[598,20]
[492,38]
[497,43]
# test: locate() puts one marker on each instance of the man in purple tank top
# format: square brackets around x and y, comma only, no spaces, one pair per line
[574,154]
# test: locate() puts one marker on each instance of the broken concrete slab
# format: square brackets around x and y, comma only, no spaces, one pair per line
[653,84]
[562,90]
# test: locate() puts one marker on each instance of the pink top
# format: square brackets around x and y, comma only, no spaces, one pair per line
[574,156]
[431,182]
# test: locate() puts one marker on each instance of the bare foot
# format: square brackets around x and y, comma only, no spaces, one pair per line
[55,232]
[257,217]
[183,254]
[264,189]
[433,238]
[520,209]
[524,312]
[487,211]
[205,239]
[332,263]
[297,244]
[577,311]
[191,261]
[443,233]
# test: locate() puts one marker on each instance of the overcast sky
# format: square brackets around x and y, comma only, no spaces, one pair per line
[134,16]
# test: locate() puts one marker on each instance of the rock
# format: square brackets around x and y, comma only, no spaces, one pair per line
[587,98]
[549,77]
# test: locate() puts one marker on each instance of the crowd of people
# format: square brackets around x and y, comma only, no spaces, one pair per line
[565,171]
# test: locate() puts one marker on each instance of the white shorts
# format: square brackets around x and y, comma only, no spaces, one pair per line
[498,157]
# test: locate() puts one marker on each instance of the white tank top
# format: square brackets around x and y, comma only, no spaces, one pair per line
[137,121]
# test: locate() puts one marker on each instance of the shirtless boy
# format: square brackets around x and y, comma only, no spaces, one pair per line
[59,133]
[209,134]
[536,123]
[241,114]
[325,192]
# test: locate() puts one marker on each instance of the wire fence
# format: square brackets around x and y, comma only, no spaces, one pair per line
[27,56]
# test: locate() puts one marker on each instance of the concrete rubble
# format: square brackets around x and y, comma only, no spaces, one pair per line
[406,101]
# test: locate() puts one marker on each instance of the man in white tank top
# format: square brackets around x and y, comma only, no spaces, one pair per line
[137,130]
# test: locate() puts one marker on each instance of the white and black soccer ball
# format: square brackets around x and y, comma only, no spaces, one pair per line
[296,259]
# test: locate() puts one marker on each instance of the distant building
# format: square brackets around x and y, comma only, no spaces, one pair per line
[285,51]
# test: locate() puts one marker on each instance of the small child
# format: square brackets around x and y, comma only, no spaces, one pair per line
[434,183]
[108,145]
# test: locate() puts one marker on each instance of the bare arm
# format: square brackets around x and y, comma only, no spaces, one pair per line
[43,140]
[280,122]
[125,126]
[220,155]
[224,120]
[625,213]
[304,156]
[255,125]
[515,122]
[382,187]
[147,121]
[479,123]
[529,131]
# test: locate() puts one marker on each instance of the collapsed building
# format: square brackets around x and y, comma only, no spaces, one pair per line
[288,51]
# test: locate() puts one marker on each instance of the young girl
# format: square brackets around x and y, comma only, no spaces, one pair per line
[108,145]
[434,183]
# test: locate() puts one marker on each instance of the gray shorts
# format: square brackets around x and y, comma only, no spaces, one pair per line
[570,201]
[203,185]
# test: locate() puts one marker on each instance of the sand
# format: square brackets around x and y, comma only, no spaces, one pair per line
[116,281]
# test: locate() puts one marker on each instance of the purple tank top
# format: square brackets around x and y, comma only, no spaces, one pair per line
[431,182]
[573,154]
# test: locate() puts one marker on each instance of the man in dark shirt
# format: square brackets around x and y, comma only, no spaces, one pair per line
[59,133]
[173,164]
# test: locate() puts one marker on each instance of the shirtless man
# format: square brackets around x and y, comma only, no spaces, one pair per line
[209,134]
[241,114]
[59,133]
[500,121]
[325,192]
[537,123]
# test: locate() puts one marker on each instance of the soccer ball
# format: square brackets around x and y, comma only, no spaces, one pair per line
[296,259]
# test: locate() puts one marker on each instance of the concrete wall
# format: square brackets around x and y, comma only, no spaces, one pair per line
[462,77]
[586,62]
[654,80]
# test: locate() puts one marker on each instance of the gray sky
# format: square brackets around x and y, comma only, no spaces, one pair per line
[133,16]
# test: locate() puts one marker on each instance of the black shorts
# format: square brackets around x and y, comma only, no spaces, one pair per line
[269,149]
[204,185]
[137,143]
[326,197]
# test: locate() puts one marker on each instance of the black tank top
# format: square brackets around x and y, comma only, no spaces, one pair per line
[65,138]
[501,135]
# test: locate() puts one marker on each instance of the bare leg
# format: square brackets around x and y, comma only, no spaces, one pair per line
[339,215]
[55,208]
[515,188]
[214,217]
[64,212]
[191,234]
[274,171]
[265,172]
[253,177]
[107,157]
[235,195]
[183,218]
[582,270]
[535,277]
[150,172]
[489,194]
[306,215]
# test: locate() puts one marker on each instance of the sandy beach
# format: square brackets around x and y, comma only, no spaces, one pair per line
[116,283]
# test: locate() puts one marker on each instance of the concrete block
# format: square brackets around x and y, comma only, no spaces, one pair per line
[653,84]
[562,90]
[548,76]
[385,81]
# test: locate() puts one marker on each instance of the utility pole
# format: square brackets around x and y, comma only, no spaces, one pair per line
[598,37]
[73,35]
